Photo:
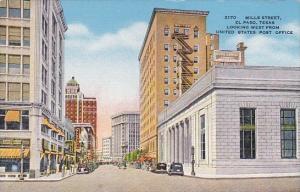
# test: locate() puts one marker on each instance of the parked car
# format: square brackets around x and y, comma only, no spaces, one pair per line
[82,169]
[176,169]
[160,168]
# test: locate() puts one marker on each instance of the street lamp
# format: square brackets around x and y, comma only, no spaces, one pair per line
[193,160]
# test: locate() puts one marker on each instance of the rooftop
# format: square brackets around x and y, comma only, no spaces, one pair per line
[172,11]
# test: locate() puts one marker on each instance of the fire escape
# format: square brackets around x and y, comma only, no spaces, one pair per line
[185,73]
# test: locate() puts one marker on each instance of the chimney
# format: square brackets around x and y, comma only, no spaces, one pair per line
[241,47]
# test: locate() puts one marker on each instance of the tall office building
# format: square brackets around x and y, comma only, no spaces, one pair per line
[31,88]
[175,53]
[125,133]
[106,149]
[80,109]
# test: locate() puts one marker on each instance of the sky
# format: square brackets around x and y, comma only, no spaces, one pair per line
[104,38]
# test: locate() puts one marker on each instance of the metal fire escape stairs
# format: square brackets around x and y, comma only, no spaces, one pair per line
[184,64]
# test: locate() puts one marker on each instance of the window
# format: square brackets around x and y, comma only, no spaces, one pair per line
[54,26]
[25,120]
[166,92]
[175,80]
[26,8]
[53,110]
[196,70]
[44,98]
[166,80]
[247,133]
[166,31]
[26,64]
[175,69]
[202,132]
[14,8]
[26,37]
[44,76]
[14,64]
[2,63]
[53,69]
[25,92]
[166,58]
[175,58]
[166,69]
[288,133]
[196,60]
[166,103]
[14,91]
[196,48]
[186,31]
[3,8]
[166,47]
[175,92]
[2,91]
[14,36]
[196,33]
[2,118]
[176,30]
[53,89]
[2,35]
[175,47]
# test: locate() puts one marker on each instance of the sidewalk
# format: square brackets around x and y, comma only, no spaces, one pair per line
[243,176]
[50,178]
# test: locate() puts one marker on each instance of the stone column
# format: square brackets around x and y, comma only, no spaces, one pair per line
[173,151]
[176,143]
[180,143]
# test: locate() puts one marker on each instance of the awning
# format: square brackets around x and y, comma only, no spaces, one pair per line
[49,125]
[12,153]
[12,116]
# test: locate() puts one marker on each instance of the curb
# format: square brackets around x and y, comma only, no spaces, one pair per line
[38,180]
[243,177]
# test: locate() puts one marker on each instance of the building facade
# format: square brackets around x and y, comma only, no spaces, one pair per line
[176,52]
[125,133]
[85,143]
[80,109]
[31,89]
[240,120]
[106,149]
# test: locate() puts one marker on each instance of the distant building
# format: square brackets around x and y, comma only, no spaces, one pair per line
[32,107]
[106,149]
[125,133]
[239,119]
[80,109]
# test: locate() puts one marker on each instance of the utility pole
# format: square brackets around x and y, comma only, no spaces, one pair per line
[22,156]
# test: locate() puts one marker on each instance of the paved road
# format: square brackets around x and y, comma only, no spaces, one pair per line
[111,179]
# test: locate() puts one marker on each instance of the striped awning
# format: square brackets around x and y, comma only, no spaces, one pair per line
[12,153]
[12,116]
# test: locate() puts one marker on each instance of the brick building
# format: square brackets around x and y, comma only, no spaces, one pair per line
[80,109]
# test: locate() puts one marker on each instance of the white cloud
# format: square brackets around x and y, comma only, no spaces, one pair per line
[106,66]
[293,26]
[79,36]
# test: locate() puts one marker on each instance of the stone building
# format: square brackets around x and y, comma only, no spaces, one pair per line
[106,149]
[240,120]
[31,89]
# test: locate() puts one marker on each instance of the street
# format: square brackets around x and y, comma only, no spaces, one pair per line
[108,178]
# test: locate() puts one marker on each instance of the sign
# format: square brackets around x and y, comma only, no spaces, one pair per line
[227,56]
[14,142]
[77,138]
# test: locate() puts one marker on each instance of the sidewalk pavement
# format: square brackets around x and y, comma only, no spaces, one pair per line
[50,178]
[243,176]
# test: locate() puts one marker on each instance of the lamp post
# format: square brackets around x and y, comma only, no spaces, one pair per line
[193,160]
[22,156]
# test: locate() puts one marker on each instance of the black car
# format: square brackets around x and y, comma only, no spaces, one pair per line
[176,169]
[161,168]
[83,169]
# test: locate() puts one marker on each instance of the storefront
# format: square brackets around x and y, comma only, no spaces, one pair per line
[11,153]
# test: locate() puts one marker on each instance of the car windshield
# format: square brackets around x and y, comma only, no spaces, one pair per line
[177,166]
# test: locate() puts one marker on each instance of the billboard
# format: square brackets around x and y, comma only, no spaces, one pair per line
[227,56]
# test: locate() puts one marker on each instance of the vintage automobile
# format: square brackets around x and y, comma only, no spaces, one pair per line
[160,168]
[176,169]
[83,169]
